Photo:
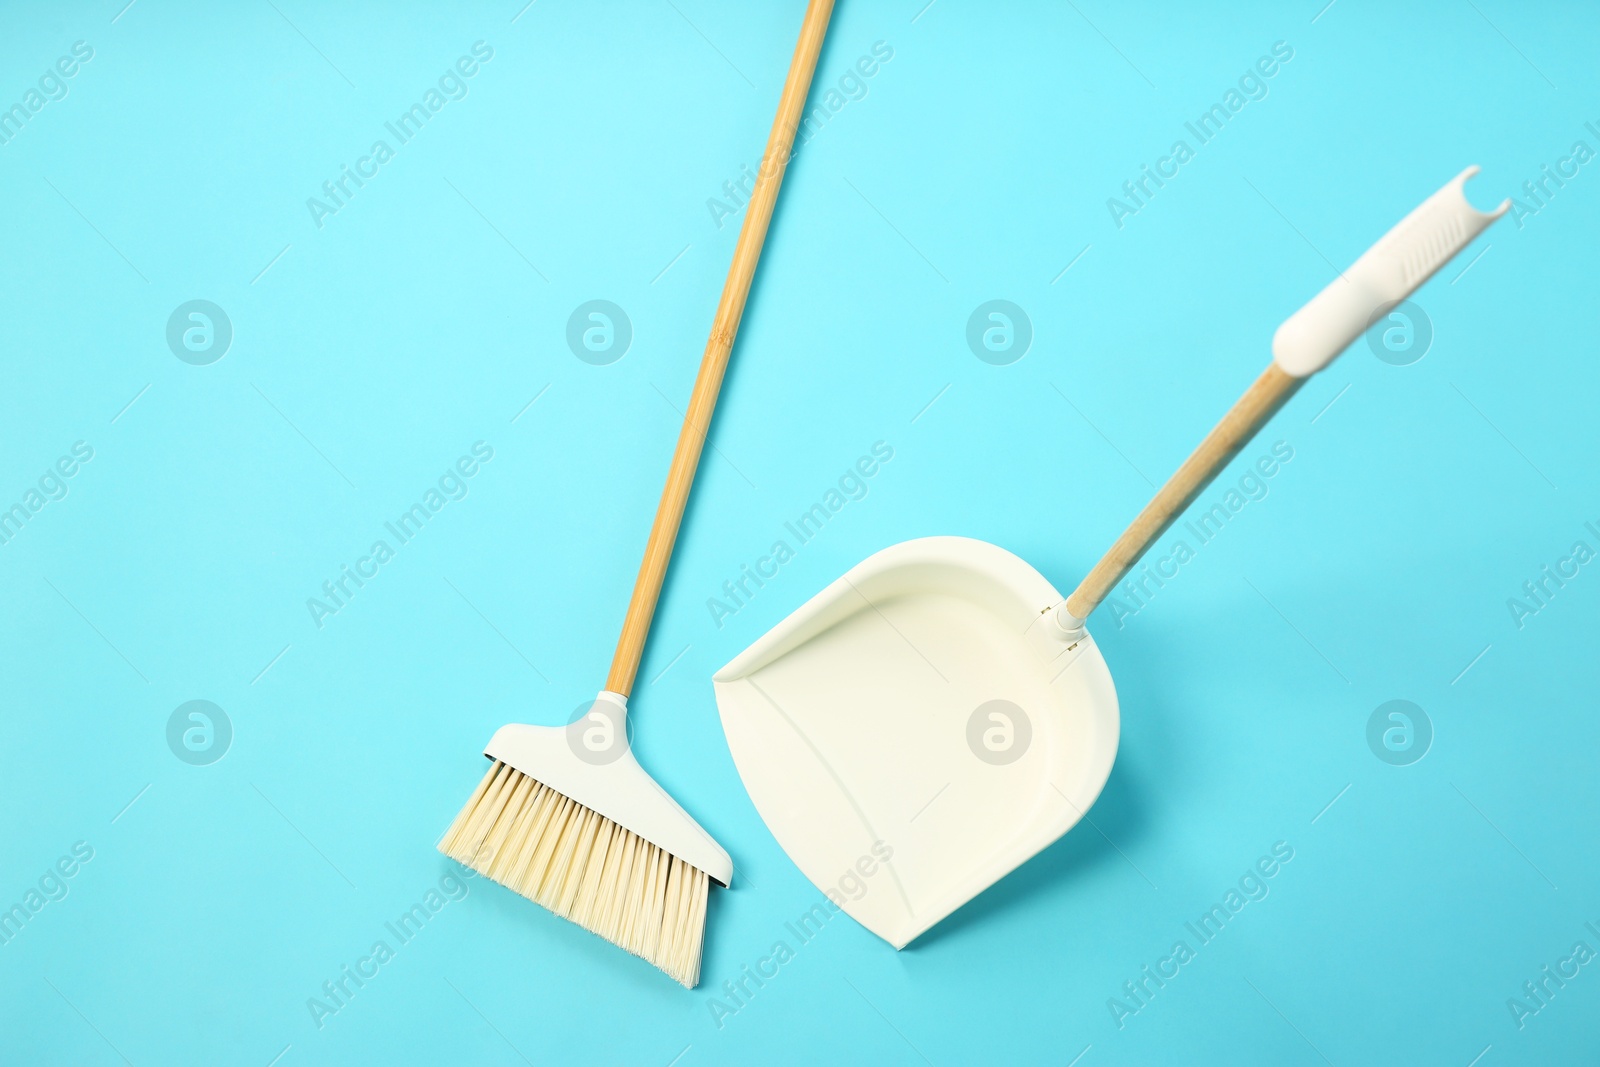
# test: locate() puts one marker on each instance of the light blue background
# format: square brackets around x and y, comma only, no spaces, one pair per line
[376,350]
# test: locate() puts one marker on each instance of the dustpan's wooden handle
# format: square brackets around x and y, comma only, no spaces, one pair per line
[680,476]
[1311,338]
[1260,402]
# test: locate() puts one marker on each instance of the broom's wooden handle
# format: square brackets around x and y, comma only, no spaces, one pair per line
[680,476]
[1260,402]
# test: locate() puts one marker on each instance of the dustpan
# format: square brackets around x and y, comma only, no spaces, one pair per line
[940,714]
[920,705]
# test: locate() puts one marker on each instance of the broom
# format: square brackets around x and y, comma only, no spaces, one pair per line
[566,816]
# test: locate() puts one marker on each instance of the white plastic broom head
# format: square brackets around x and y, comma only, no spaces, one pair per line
[591,762]
[1386,274]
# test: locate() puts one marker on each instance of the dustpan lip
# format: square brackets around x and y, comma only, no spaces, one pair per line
[971,553]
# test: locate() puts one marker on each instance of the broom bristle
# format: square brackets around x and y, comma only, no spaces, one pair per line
[584,867]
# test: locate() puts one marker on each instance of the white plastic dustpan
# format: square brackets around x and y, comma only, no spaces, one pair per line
[938,715]
[853,724]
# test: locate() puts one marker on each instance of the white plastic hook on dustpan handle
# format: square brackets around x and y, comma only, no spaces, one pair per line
[1308,341]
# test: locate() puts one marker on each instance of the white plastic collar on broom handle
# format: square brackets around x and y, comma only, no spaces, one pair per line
[1308,341]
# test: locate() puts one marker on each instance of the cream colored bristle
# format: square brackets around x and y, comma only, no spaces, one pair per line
[584,867]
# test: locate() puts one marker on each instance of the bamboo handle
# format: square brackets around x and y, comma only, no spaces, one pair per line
[1260,402]
[1388,272]
[680,476]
